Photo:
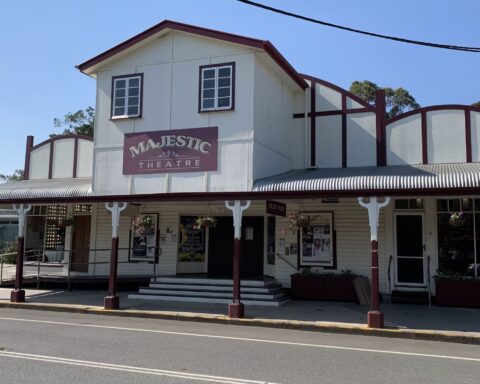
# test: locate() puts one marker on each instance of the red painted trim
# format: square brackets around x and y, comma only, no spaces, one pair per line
[75,158]
[50,160]
[341,90]
[28,149]
[331,113]
[424,138]
[380,113]
[200,84]
[344,131]
[210,33]
[468,136]
[312,125]
[140,95]
[221,196]
[433,108]
[61,137]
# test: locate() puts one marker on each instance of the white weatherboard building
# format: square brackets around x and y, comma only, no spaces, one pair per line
[188,119]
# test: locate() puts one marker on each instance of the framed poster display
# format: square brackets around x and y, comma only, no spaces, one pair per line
[144,237]
[191,243]
[316,242]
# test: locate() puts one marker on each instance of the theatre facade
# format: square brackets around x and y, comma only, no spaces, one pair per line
[212,156]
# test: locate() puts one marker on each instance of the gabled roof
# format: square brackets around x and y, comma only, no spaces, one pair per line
[266,45]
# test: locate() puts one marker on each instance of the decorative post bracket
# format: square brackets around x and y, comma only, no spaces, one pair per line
[237,207]
[115,209]
[22,214]
[373,213]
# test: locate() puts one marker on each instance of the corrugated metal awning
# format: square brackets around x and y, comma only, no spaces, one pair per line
[41,189]
[422,177]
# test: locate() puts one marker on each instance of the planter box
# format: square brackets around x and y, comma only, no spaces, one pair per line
[323,287]
[458,293]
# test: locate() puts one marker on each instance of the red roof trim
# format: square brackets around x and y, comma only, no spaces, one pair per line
[459,107]
[232,38]
[341,90]
[61,137]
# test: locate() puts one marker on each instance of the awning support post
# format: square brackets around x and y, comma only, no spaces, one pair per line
[375,316]
[18,294]
[236,309]
[111,301]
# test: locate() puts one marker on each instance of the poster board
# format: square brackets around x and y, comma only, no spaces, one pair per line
[144,242]
[316,242]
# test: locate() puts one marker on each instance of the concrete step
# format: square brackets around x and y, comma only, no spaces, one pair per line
[219,288]
[213,281]
[267,303]
[202,293]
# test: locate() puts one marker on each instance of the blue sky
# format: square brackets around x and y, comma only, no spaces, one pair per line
[43,40]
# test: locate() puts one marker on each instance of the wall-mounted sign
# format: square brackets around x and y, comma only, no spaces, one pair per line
[276,208]
[180,150]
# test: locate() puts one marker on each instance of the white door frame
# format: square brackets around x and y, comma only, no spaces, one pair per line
[396,283]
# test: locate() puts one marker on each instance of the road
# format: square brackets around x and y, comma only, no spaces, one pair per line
[51,347]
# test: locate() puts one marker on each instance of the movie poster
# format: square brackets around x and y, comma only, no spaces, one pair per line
[316,241]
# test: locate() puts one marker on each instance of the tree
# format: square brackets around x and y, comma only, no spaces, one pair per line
[81,122]
[17,175]
[477,104]
[397,100]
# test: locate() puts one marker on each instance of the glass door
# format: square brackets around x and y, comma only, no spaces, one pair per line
[409,249]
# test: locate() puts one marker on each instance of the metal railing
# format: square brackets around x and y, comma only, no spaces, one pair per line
[42,264]
[287,262]
[390,278]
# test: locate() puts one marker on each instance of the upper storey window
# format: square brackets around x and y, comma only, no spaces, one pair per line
[127,96]
[217,83]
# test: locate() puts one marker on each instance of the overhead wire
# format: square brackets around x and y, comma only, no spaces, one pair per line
[372,34]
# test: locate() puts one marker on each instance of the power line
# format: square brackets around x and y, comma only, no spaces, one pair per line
[399,39]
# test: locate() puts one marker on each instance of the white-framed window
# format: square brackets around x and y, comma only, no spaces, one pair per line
[127,96]
[217,83]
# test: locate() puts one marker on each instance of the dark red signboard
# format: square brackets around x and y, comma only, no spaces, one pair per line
[276,208]
[180,150]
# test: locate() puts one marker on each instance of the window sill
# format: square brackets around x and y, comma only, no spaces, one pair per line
[215,110]
[115,118]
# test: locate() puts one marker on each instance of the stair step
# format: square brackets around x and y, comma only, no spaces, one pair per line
[270,303]
[219,288]
[201,293]
[409,297]
[212,281]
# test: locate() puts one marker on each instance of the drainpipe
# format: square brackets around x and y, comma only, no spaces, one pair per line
[236,309]
[375,315]
[18,294]
[112,301]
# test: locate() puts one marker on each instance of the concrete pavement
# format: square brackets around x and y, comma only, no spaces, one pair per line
[459,325]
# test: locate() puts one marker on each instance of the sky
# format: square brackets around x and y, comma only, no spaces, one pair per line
[42,41]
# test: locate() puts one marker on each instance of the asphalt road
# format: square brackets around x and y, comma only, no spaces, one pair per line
[50,347]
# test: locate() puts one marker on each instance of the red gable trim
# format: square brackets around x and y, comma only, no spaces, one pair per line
[237,39]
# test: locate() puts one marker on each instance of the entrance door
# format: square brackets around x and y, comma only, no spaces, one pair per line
[220,247]
[409,249]
[80,244]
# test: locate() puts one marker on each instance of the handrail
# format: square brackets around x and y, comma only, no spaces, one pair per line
[286,261]
[429,285]
[390,277]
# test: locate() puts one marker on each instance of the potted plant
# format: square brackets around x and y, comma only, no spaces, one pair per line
[308,285]
[142,224]
[205,222]
[453,289]
[65,222]
[296,221]
[457,219]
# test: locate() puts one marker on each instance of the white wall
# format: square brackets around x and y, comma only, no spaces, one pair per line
[446,136]
[404,141]
[170,101]
[361,140]
[475,130]
[328,141]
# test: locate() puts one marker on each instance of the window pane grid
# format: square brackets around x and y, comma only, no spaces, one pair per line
[127,97]
[216,92]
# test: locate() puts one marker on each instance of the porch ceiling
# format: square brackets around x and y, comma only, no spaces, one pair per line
[408,178]
[45,189]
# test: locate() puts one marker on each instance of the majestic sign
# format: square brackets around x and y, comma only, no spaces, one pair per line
[276,208]
[181,150]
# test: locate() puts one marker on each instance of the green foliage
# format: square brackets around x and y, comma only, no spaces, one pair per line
[452,275]
[17,175]
[477,104]
[398,100]
[9,252]
[81,122]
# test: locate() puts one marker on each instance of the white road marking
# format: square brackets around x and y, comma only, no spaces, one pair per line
[265,341]
[131,369]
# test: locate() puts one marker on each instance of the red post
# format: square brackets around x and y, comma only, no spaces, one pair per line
[236,309]
[112,300]
[380,111]
[375,316]
[18,294]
